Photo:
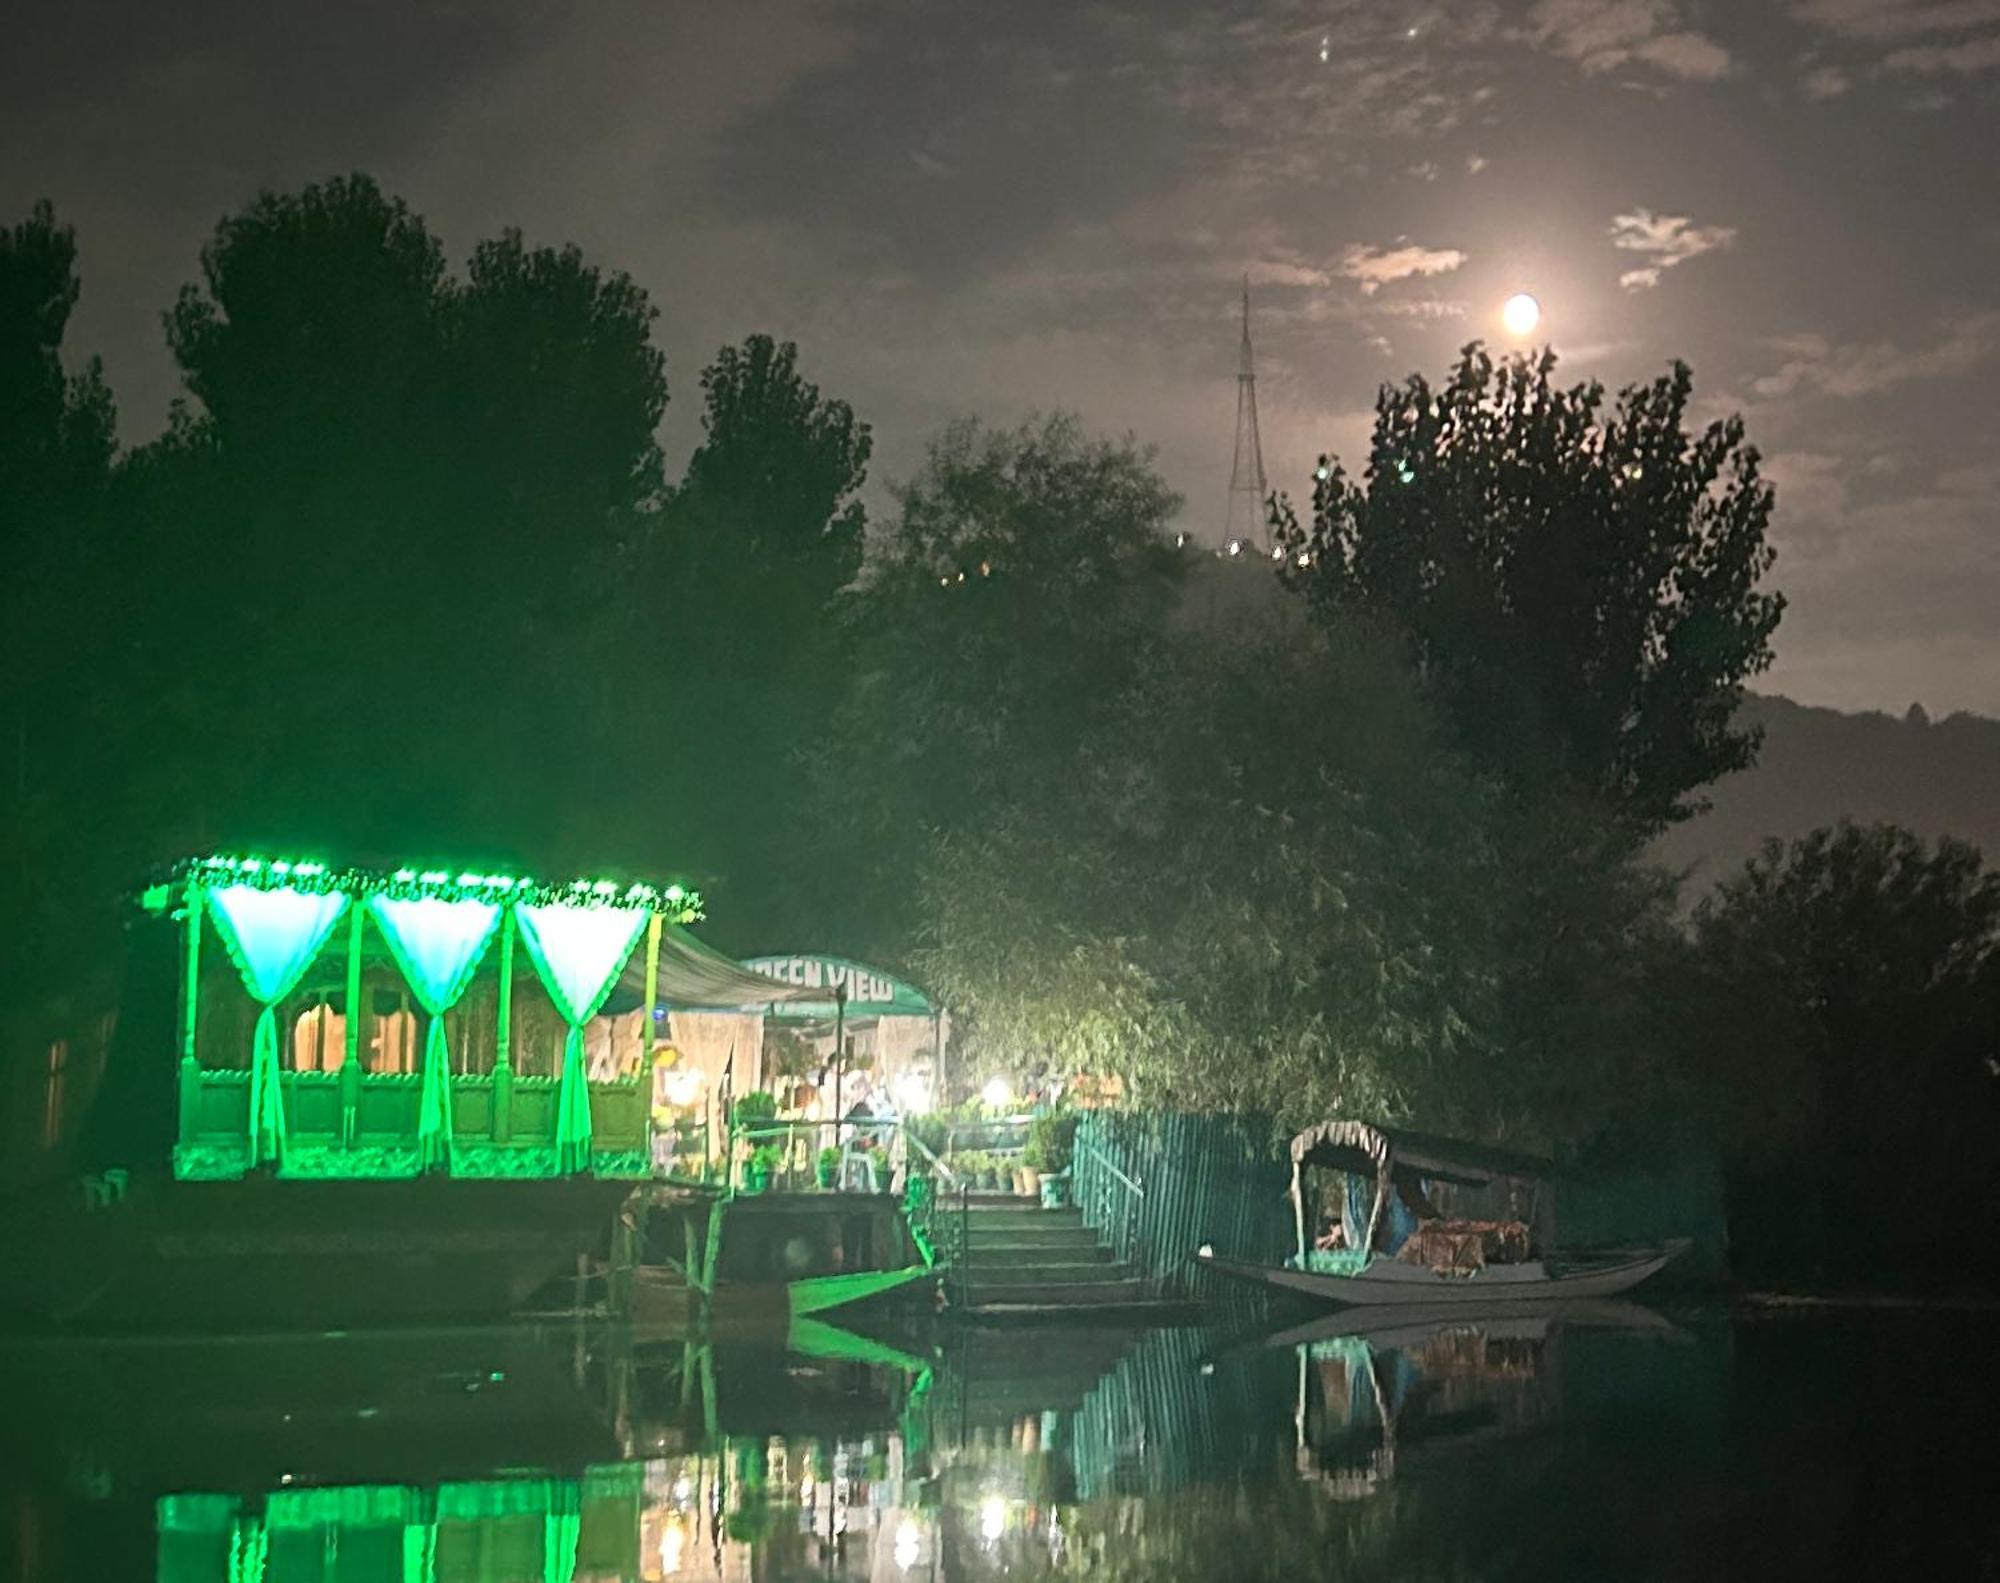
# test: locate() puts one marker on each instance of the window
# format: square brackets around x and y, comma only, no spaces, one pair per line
[392,1046]
[319,1038]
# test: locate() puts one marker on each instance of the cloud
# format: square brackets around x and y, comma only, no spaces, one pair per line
[1603,35]
[1980,54]
[1813,363]
[1664,241]
[1824,82]
[1376,267]
[1896,19]
[1926,34]
[1286,272]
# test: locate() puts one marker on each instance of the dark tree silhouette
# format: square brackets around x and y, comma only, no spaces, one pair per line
[1848,1040]
[775,476]
[1579,589]
[56,442]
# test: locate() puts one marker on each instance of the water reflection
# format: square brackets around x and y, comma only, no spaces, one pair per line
[1594,1442]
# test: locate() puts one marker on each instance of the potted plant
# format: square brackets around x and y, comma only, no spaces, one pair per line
[1028,1174]
[826,1170]
[754,1110]
[758,1168]
[1053,1138]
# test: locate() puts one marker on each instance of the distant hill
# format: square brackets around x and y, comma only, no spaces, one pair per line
[1938,777]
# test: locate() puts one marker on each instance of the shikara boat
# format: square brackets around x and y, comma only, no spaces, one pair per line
[1501,1253]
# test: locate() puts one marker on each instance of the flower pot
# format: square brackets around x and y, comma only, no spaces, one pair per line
[827,1176]
[1055,1190]
[1027,1181]
[755,1178]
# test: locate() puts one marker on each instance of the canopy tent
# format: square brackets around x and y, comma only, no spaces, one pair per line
[694,976]
[813,986]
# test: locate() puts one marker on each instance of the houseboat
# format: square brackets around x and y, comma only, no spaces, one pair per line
[337,1096]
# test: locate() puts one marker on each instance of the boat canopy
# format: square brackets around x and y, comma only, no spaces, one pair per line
[1364,1149]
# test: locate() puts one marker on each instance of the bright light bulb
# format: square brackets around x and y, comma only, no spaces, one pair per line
[1521,313]
[997,1093]
[992,1518]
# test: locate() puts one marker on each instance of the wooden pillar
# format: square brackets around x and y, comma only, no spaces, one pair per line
[652,994]
[191,984]
[503,1037]
[190,1095]
[350,1060]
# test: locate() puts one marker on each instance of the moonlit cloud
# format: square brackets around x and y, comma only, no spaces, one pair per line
[1982,54]
[1896,19]
[1376,267]
[1824,82]
[1813,362]
[1665,241]
[1603,35]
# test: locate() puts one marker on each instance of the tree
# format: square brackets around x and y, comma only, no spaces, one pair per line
[391,499]
[730,623]
[1849,1049]
[57,436]
[1579,590]
[775,478]
[1013,600]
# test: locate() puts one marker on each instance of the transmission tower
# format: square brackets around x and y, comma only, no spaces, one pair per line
[1248,523]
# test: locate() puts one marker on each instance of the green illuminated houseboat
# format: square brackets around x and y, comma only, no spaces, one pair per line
[338,1096]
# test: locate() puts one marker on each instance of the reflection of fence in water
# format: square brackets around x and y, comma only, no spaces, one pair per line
[1171,1414]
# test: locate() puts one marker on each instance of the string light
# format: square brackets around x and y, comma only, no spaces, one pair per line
[676,902]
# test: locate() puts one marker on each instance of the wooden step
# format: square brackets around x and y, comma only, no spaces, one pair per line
[978,1219]
[1057,1294]
[1045,1272]
[1030,1251]
[980,1237]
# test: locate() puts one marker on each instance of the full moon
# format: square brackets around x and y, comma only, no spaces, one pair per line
[1521,314]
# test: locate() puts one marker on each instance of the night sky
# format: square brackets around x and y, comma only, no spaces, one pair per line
[1023,204]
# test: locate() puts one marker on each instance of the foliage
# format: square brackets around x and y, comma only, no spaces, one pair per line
[766,1160]
[761,538]
[1846,1044]
[1051,1141]
[828,1163]
[787,1053]
[755,1109]
[1012,602]
[56,628]
[1579,589]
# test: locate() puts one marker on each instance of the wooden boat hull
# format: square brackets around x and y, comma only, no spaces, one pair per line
[274,1254]
[1387,1282]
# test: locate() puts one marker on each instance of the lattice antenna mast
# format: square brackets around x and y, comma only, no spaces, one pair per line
[1248,520]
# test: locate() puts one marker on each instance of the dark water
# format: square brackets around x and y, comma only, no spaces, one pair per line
[1616,1443]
